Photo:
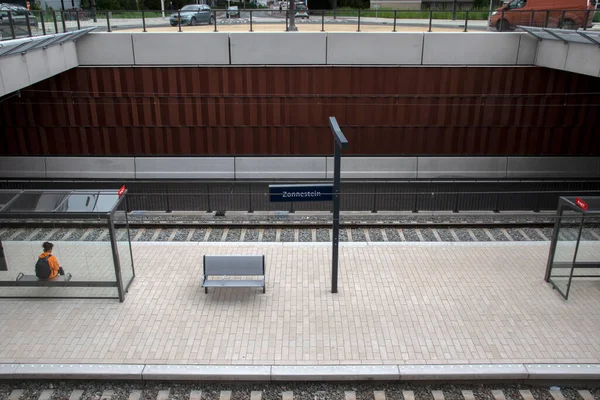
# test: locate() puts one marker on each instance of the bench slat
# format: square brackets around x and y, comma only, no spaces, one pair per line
[233,265]
[234,283]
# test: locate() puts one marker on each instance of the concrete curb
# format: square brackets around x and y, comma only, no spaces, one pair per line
[332,373]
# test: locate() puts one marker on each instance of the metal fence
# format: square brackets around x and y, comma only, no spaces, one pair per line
[367,196]
[16,24]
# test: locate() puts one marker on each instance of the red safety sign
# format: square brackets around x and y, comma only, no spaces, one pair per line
[123,189]
[581,204]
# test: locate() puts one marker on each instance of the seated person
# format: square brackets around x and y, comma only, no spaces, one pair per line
[47,266]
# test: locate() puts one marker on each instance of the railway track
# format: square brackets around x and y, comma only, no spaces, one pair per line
[37,390]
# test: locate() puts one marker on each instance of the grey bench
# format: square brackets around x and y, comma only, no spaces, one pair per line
[228,266]
[32,280]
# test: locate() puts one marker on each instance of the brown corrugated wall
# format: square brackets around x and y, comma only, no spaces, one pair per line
[285,110]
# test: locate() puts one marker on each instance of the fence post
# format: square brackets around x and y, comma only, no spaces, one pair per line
[55,21]
[108,20]
[532,18]
[394,21]
[43,23]
[250,19]
[547,18]
[11,22]
[358,20]
[287,12]
[430,18]
[28,25]
[250,211]
[562,19]
[62,17]
[466,20]
[143,21]
[78,22]
[323,21]
[587,18]
[179,19]
[215,19]
[374,208]
[208,198]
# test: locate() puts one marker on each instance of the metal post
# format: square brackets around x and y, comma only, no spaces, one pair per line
[287,14]
[179,19]
[93,4]
[77,17]
[215,19]
[55,21]
[430,18]
[323,21]
[532,18]
[334,9]
[117,264]
[562,19]
[358,20]
[545,23]
[250,20]
[143,21]
[250,211]
[394,21]
[11,22]
[62,18]
[587,18]
[108,20]
[28,25]
[43,23]
[339,142]
[466,20]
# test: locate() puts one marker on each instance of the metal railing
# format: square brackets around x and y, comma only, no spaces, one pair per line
[17,24]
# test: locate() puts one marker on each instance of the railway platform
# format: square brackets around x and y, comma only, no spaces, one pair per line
[399,305]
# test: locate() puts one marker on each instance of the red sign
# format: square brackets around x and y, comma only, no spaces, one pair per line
[123,189]
[581,203]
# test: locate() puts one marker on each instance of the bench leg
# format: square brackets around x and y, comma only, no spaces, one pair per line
[205,290]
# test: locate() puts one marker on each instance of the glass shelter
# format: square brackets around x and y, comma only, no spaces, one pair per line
[575,247]
[90,233]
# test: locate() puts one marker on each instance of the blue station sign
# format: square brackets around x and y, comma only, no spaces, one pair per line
[309,192]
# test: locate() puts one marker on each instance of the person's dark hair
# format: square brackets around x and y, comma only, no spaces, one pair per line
[47,246]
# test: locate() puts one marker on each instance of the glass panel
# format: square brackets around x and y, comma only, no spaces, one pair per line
[80,202]
[106,202]
[5,198]
[85,253]
[37,202]
[588,252]
[564,253]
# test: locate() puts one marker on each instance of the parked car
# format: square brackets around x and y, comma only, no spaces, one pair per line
[193,14]
[543,13]
[233,12]
[301,11]
[19,16]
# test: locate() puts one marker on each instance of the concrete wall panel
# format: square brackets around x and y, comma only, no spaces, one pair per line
[15,73]
[38,66]
[280,168]
[278,48]
[184,168]
[90,167]
[552,167]
[22,167]
[486,48]
[374,48]
[176,48]
[105,49]
[461,167]
[583,59]
[527,49]
[551,54]
[375,167]
[59,60]
[70,55]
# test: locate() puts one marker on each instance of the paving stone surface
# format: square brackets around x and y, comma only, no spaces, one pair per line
[397,304]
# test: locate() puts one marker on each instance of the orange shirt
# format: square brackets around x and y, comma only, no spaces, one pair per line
[53,262]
